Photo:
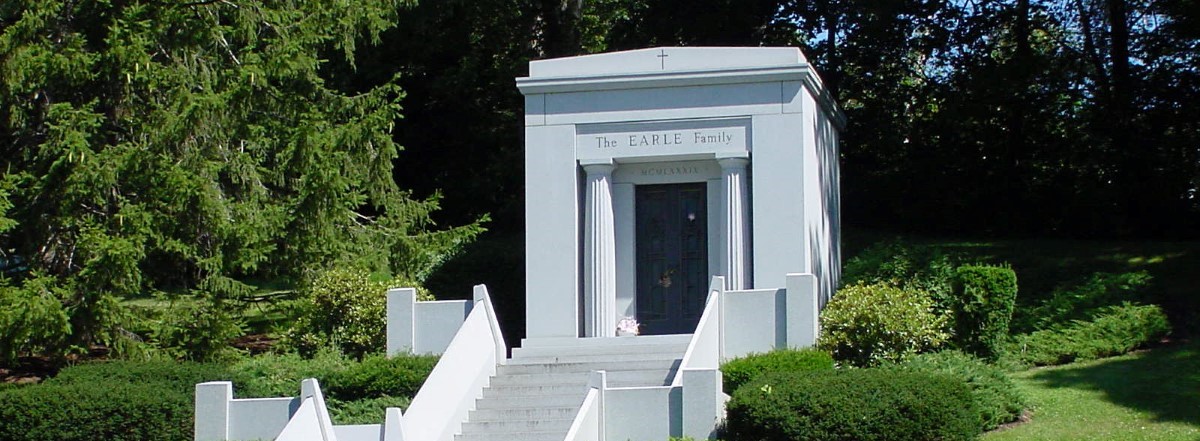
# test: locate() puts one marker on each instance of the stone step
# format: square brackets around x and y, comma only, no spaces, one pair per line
[549,413]
[682,339]
[534,390]
[606,365]
[536,425]
[648,377]
[647,348]
[552,435]
[587,358]
[530,402]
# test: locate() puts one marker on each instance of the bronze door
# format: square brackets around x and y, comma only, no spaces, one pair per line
[672,256]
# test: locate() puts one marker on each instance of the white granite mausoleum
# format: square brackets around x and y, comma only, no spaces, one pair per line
[694,190]
[649,171]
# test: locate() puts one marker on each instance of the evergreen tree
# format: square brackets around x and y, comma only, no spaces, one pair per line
[190,146]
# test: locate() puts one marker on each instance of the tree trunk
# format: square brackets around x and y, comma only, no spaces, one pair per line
[560,31]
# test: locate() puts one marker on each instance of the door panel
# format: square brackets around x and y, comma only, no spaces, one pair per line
[672,256]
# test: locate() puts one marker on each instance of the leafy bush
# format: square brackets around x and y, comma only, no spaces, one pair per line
[127,400]
[93,411]
[279,375]
[119,400]
[906,265]
[1115,330]
[197,330]
[852,404]
[738,371]
[166,374]
[982,306]
[379,376]
[866,324]
[995,395]
[344,308]
[1082,300]
[365,411]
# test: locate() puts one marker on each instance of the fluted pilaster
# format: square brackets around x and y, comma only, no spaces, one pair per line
[599,254]
[737,229]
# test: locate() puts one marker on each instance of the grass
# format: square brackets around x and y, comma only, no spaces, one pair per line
[1152,395]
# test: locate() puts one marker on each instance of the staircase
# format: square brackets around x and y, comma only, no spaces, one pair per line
[535,396]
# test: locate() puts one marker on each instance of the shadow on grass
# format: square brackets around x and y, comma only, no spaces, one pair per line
[1164,382]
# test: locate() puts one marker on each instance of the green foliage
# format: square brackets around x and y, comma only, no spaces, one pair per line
[189,147]
[852,404]
[173,375]
[982,306]
[199,330]
[96,410]
[117,400]
[867,324]
[32,318]
[904,264]
[279,375]
[153,400]
[364,411]
[379,376]
[995,394]
[740,370]
[344,308]
[1114,330]
[1081,300]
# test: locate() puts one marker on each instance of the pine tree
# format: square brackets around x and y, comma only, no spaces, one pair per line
[148,145]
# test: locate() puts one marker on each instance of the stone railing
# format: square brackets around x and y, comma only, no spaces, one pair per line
[458,379]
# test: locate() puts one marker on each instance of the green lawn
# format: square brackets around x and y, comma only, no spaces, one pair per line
[1152,395]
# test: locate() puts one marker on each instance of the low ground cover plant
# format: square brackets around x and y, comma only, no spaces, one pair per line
[852,404]
[736,372]
[1115,330]
[995,395]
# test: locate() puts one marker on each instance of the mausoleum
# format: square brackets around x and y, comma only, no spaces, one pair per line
[649,171]
[693,191]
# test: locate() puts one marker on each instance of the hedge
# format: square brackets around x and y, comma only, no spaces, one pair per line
[133,401]
[852,404]
[738,371]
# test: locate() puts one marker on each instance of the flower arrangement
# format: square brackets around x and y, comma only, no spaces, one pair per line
[628,326]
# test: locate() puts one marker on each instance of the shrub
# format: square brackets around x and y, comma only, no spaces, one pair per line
[1082,300]
[904,264]
[365,411]
[165,374]
[982,306]
[96,410]
[197,330]
[995,395]
[379,376]
[738,371]
[344,308]
[852,404]
[866,324]
[279,375]
[117,400]
[1115,330]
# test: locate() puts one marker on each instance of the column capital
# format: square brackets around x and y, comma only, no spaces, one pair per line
[598,167]
[733,162]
